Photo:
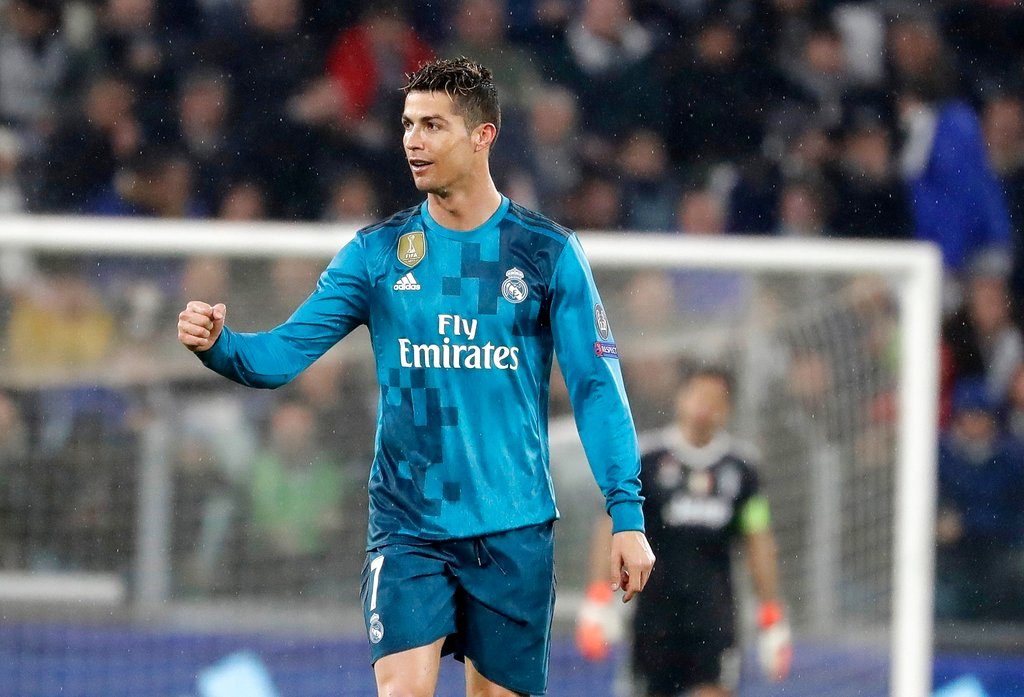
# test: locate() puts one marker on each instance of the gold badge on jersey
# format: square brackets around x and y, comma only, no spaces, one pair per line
[412,247]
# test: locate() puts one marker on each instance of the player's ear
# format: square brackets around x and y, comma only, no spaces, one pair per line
[484,136]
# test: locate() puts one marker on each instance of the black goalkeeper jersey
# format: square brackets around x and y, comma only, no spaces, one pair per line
[694,497]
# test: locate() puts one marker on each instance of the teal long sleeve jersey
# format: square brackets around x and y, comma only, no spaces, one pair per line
[463,326]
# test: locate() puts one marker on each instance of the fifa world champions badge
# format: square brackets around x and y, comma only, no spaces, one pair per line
[514,288]
[412,247]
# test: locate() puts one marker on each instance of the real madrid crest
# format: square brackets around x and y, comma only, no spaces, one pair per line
[514,288]
[412,247]
[376,628]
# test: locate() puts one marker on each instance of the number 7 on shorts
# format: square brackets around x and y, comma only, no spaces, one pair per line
[375,567]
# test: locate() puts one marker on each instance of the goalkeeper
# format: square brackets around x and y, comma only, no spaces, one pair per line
[701,497]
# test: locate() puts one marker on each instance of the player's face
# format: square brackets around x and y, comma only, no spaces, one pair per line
[438,146]
[703,405]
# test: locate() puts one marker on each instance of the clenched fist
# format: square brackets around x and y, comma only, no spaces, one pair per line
[200,324]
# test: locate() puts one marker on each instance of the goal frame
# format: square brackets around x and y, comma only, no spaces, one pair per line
[916,265]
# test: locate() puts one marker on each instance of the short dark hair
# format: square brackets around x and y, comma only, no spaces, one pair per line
[468,83]
[711,372]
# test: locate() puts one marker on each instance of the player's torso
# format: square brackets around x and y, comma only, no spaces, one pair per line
[465,305]
[459,323]
[692,503]
[691,511]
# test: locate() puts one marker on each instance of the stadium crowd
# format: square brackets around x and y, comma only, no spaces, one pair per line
[808,118]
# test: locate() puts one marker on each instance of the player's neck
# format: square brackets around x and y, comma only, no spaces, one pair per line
[696,438]
[465,208]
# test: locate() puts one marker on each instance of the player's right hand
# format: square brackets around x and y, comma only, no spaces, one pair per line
[199,325]
[631,562]
[775,642]
[598,623]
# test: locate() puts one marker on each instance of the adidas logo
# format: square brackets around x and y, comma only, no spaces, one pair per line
[407,282]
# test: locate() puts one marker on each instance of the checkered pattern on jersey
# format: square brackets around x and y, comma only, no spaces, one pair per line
[413,414]
[484,270]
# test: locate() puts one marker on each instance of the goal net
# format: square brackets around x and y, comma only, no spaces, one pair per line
[165,532]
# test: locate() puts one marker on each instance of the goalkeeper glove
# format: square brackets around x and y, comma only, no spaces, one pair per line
[598,623]
[775,643]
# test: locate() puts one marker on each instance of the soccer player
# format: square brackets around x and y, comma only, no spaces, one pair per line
[466,297]
[701,497]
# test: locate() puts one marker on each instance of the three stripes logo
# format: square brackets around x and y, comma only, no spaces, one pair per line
[407,282]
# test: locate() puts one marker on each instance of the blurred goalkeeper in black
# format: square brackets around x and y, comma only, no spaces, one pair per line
[701,497]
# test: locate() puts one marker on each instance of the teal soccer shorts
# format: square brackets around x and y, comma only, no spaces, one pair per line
[492,597]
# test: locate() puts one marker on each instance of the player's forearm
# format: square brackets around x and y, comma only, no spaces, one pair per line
[252,360]
[609,439]
[762,557]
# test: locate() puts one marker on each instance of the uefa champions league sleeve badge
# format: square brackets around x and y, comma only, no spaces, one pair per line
[514,288]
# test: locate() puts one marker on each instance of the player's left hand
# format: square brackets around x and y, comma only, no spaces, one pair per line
[632,561]
[775,642]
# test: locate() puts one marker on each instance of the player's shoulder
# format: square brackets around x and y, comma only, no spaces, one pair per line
[743,453]
[395,222]
[655,442]
[534,223]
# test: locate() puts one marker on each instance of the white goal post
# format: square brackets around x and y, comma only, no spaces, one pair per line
[916,266]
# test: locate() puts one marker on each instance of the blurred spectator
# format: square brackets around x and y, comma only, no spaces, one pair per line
[204,133]
[274,66]
[800,144]
[984,343]
[14,481]
[780,31]
[536,22]
[480,34]
[917,53]
[216,441]
[243,201]
[156,184]
[12,198]
[553,157]
[291,281]
[981,516]
[294,497]
[60,323]
[649,191]
[84,153]
[595,204]
[351,198]
[650,301]
[753,198]
[715,109]
[33,62]
[132,44]
[368,63]
[608,62]
[206,507]
[653,378]
[820,76]
[1004,133]
[206,277]
[343,402]
[956,200]
[700,212]
[1014,416]
[86,500]
[701,292]
[802,210]
[870,200]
